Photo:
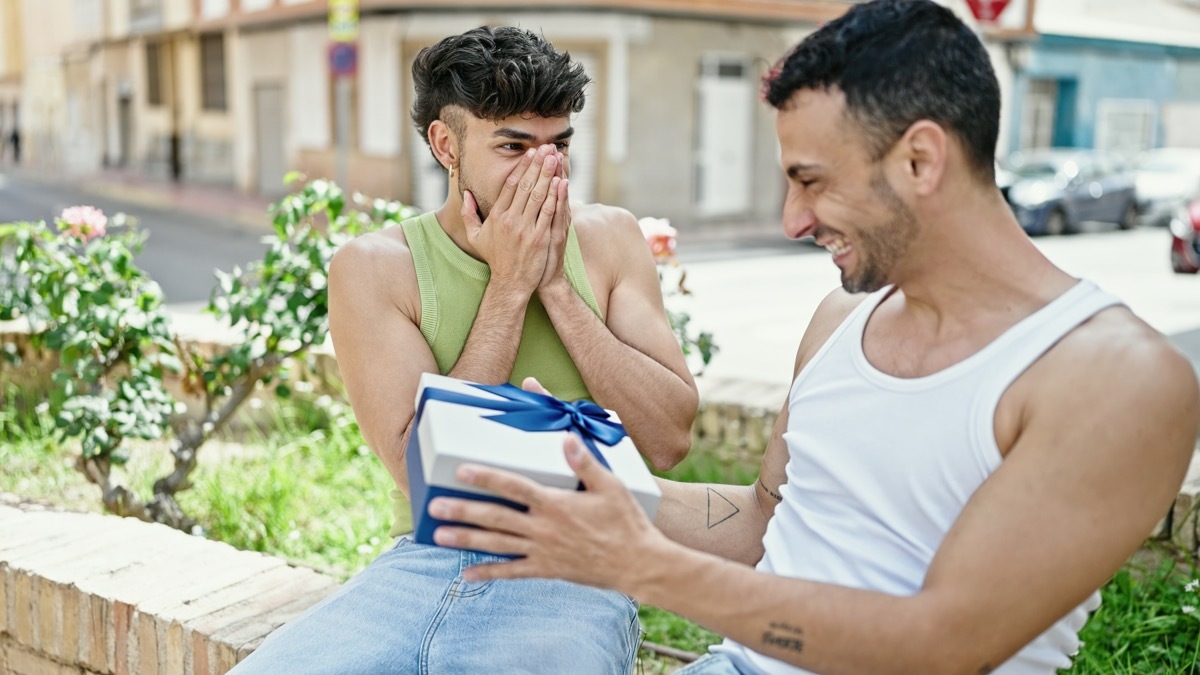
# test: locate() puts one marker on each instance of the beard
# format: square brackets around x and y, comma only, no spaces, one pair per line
[466,182]
[881,246]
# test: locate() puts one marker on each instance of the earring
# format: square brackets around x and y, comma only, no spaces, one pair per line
[451,171]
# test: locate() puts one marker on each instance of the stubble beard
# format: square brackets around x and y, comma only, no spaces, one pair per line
[483,203]
[881,247]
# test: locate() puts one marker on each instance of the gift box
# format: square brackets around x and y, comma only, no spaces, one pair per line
[509,428]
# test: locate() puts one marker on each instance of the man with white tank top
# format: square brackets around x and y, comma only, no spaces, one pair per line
[974,440]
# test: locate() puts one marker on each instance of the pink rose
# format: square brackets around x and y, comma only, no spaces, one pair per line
[660,236]
[84,222]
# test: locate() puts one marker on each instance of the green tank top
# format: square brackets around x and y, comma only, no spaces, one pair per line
[451,284]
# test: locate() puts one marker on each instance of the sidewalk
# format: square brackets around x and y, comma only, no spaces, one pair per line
[216,201]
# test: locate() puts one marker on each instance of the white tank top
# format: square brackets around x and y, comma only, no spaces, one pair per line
[880,467]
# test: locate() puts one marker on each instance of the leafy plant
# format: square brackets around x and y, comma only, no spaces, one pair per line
[87,301]
[660,236]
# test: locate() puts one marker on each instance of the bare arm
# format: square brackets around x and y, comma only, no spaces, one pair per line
[1069,504]
[376,336]
[374,310]
[730,521]
[631,363]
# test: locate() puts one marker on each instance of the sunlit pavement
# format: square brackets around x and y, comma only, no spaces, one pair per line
[758,307]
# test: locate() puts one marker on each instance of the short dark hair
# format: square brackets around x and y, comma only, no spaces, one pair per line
[494,73]
[897,62]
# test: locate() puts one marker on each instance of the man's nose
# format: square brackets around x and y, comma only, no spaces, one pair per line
[799,222]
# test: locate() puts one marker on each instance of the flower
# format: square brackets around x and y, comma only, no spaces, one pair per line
[84,222]
[660,236]
[1188,609]
[1192,586]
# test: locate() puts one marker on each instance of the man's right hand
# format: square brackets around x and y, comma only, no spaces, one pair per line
[514,240]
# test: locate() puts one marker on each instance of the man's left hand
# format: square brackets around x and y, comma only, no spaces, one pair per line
[558,233]
[594,537]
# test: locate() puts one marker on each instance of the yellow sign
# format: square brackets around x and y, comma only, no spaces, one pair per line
[343,20]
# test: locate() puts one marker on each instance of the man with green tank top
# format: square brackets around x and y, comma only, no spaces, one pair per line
[508,280]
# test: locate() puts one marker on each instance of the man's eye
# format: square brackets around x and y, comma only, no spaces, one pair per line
[562,146]
[515,147]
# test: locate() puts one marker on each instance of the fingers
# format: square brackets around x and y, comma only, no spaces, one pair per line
[562,212]
[498,543]
[508,485]
[531,384]
[508,192]
[546,214]
[594,476]
[539,190]
[470,214]
[498,518]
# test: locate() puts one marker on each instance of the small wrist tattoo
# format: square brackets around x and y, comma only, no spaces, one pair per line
[768,490]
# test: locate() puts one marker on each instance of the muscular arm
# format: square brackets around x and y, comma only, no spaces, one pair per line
[374,310]
[1107,425]
[1068,506]
[380,351]
[730,521]
[631,363]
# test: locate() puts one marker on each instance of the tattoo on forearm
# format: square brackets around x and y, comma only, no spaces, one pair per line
[720,509]
[777,635]
[769,491]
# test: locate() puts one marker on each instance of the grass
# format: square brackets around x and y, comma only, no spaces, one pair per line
[310,491]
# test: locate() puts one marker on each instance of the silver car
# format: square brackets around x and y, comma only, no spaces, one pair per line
[1167,179]
[1054,190]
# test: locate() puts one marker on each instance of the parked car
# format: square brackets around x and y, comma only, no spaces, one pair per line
[1054,190]
[1185,238]
[1167,178]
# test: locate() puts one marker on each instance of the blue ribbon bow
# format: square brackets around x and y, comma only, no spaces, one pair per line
[530,411]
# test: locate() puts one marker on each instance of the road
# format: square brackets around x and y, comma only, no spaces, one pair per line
[181,252]
[757,307]
[752,288]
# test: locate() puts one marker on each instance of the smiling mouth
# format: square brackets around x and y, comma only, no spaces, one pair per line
[838,247]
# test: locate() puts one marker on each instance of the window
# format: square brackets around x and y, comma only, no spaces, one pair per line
[145,16]
[1037,128]
[212,71]
[1125,126]
[154,92]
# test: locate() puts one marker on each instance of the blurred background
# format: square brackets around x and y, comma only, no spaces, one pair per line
[235,93]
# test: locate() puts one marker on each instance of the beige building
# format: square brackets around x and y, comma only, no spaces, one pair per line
[239,92]
[12,68]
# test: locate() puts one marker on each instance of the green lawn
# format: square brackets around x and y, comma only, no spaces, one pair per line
[311,492]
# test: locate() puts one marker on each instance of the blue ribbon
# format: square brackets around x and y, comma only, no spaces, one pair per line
[530,411]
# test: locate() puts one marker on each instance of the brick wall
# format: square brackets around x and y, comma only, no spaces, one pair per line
[84,594]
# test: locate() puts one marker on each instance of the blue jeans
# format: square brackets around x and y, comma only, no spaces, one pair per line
[710,664]
[410,611]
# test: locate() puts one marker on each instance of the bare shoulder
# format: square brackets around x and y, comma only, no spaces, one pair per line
[1116,349]
[1115,367]
[377,265]
[602,225]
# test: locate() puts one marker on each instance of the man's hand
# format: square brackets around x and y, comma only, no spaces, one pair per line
[558,235]
[593,537]
[515,239]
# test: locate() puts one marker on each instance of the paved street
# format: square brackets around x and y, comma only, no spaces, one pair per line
[758,307]
[183,248]
[754,289]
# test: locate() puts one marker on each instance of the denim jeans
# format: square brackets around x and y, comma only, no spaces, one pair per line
[710,664]
[410,611]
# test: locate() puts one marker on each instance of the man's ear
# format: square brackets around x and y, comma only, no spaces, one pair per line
[924,151]
[444,143]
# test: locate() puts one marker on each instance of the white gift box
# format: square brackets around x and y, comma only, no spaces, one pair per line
[447,433]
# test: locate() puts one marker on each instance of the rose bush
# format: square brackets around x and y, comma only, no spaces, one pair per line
[86,300]
[660,236]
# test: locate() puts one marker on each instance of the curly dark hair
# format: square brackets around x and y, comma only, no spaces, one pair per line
[897,62]
[494,73]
